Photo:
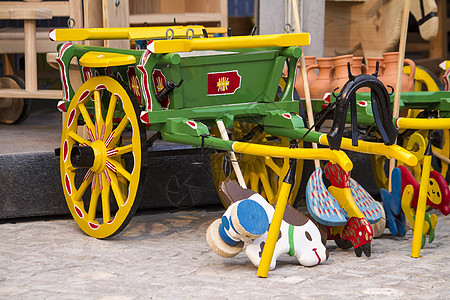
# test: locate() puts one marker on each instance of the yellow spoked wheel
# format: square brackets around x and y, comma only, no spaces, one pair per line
[103,175]
[416,143]
[262,174]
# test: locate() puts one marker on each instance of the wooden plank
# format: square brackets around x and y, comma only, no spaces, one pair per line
[76,12]
[114,17]
[12,40]
[30,55]
[41,94]
[438,45]
[30,14]
[224,13]
[93,18]
[58,8]
[181,18]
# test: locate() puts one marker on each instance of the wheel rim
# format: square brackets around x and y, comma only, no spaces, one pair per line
[262,174]
[115,183]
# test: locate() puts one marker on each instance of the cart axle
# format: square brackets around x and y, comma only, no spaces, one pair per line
[82,157]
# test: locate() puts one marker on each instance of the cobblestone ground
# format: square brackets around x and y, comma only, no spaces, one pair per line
[165,255]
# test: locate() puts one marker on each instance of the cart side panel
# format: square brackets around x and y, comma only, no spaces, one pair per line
[216,78]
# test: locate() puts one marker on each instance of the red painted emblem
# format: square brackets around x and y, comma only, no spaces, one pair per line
[223,83]
[134,84]
[159,80]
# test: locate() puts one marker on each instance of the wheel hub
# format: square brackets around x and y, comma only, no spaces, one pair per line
[93,157]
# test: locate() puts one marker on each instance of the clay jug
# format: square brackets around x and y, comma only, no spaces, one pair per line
[358,67]
[340,71]
[389,76]
[372,63]
[322,83]
[312,76]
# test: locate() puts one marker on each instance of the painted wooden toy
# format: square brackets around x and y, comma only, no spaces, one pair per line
[345,207]
[401,204]
[245,225]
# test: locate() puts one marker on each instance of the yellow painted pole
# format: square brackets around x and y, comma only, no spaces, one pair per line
[274,229]
[336,156]
[224,43]
[398,84]
[427,124]
[421,204]
[131,33]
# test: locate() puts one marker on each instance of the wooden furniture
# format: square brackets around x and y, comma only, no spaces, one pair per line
[183,11]
[31,41]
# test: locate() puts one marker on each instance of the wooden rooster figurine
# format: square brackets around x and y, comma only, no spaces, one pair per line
[340,203]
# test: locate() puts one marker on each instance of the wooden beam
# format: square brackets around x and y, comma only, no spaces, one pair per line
[40,94]
[58,8]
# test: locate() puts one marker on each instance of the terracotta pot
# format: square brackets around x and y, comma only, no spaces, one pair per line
[372,63]
[326,75]
[358,67]
[389,76]
[340,71]
[312,76]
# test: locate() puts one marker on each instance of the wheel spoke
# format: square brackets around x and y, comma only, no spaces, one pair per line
[86,117]
[119,150]
[114,136]
[110,115]
[106,209]
[254,180]
[95,193]
[117,167]
[272,165]
[98,109]
[264,177]
[86,182]
[73,135]
[120,198]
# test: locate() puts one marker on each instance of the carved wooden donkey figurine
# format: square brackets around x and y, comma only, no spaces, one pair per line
[245,224]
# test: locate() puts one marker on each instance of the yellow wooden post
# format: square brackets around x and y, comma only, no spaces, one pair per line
[421,204]
[274,229]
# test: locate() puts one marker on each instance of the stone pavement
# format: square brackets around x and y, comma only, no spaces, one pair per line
[165,256]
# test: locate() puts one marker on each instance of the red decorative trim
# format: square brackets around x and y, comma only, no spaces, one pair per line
[93,225]
[79,212]
[192,124]
[71,118]
[83,96]
[68,184]
[62,68]
[145,80]
[65,150]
